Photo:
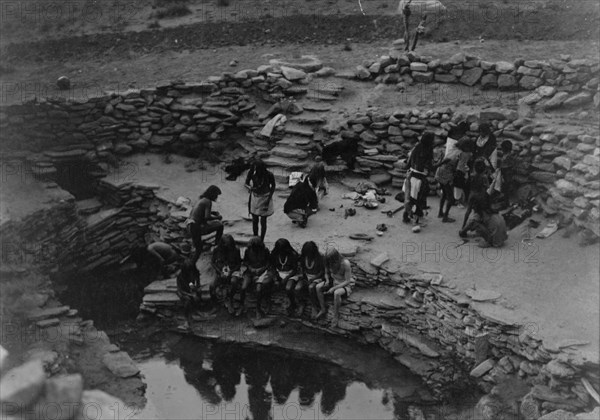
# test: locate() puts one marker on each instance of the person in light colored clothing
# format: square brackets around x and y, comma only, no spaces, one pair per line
[261,183]
[312,265]
[338,272]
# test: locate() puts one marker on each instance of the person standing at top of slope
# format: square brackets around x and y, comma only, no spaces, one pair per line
[404,10]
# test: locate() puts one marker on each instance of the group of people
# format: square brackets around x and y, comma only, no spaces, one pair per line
[306,274]
[470,173]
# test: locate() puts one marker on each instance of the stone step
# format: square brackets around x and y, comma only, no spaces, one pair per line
[308,119]
[328,88]
[298,130]
[286,163]
[296,90]
[289,152]
[41,314]
[89,206]
[169,285]
[319,96]
[299,142]
[316,107]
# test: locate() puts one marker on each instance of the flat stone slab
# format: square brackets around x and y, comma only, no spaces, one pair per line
[41,314]
[482,368]
[289,152]
[497,313]
[481,295]
[300,131]
[380,259]
[120,364]
[285,162]
[47,323]
[161,286]
[316,107]
[88,206]
[162,298]
[68,154]
[308,119]
[379,300]
[307,63]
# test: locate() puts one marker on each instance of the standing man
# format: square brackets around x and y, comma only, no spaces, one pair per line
[203,220]
[261,184]
[404,9]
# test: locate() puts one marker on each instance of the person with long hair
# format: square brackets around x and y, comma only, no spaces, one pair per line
[256,260]
[301,203]
[284,266]
[261,183]
[227,263]
[312,266]
[486,147]
[203,220]
[415,187]
[486,223]
[338,273]
[460,180]
[188,289]
[318,181]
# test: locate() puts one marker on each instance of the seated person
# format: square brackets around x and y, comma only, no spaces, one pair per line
[227,263]
[203,220]
[486,223]
[256,263]
[338,272]
[312,266]
[155,257]
[301,203]
[284,266]
[188,289]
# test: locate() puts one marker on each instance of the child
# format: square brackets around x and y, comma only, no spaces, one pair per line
[188,289]
[227,263]
[284,265]
[256,261]
[486,223]
[338,272]
[313,269]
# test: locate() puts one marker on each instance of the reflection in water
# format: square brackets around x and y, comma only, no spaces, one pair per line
[234,381]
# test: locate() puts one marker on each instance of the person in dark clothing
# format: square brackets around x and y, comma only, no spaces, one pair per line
[404,7]
[485,146]
[227,263]
[415,188]
[188,289]
[502,180]
[236,168]
[318,181]
[486,223]
[256,260]
[419,31]
[284,267]
[312,265]
[261,183]
[301,203]
[346,148]
[203,220]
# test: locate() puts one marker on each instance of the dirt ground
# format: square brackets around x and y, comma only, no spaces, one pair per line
[551,287]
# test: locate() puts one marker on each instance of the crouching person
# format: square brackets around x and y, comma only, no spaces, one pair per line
[486,223]
[312,266]
[338,272]
[188,290]
[256,261]
[155,258]
[284,266]
[227,263]
[301,203]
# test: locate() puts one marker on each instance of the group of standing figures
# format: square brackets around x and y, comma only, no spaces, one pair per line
[470,173]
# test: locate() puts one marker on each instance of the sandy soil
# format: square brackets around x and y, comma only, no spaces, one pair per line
[551,288]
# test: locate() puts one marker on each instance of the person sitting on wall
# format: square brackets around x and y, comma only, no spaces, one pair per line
[227,263]
[312,266]
[301,203]
[338,272]
[155,257]
[284,266]
[203,220]
[188,289]
[256,261]
[486,223]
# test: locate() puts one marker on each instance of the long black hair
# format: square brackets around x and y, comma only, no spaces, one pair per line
[211,193]
[283,248]
[227,250]
[310,251]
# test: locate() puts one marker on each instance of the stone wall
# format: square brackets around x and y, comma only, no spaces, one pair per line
[556,83]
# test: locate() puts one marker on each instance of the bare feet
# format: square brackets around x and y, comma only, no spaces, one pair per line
[334,322]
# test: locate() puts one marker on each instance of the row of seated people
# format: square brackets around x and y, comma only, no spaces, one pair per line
[264,271]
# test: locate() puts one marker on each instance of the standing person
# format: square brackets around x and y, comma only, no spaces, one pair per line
[486,147]
[284,266]
[404,9]
[415,186]
[419,31]
[461,173]
[487,223]
[203,220]
[227,263]
[312,266]
[261,183]
[446,170]
[256,261]
[502,181]
[317,180]
[301,203]
[338,272]
[188,289]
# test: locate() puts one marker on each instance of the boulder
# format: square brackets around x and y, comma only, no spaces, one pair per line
[445,78]
[482,368]
[292,74]
[504,67]
[562,162]
[530,82]
[489,81]
[421,67]
[507,82]
[362,73]
[325,72]
[581,98]
[22,385]
[422,77]
[556,101]
[471,76]
[100,406]
[120,364]
[546,91]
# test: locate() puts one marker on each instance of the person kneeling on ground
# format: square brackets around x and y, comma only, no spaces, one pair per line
[256,261]
[338,272]
[312,265]
[284,266]
[203,220]
[155,257]
[301,203]
[188,289]
[317,180]
[227,263]
[488,224]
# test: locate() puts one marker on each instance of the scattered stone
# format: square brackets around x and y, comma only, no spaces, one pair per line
[47,323]
[41,314]
[380,259]
[482,368]
[292,74]
[120,364]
